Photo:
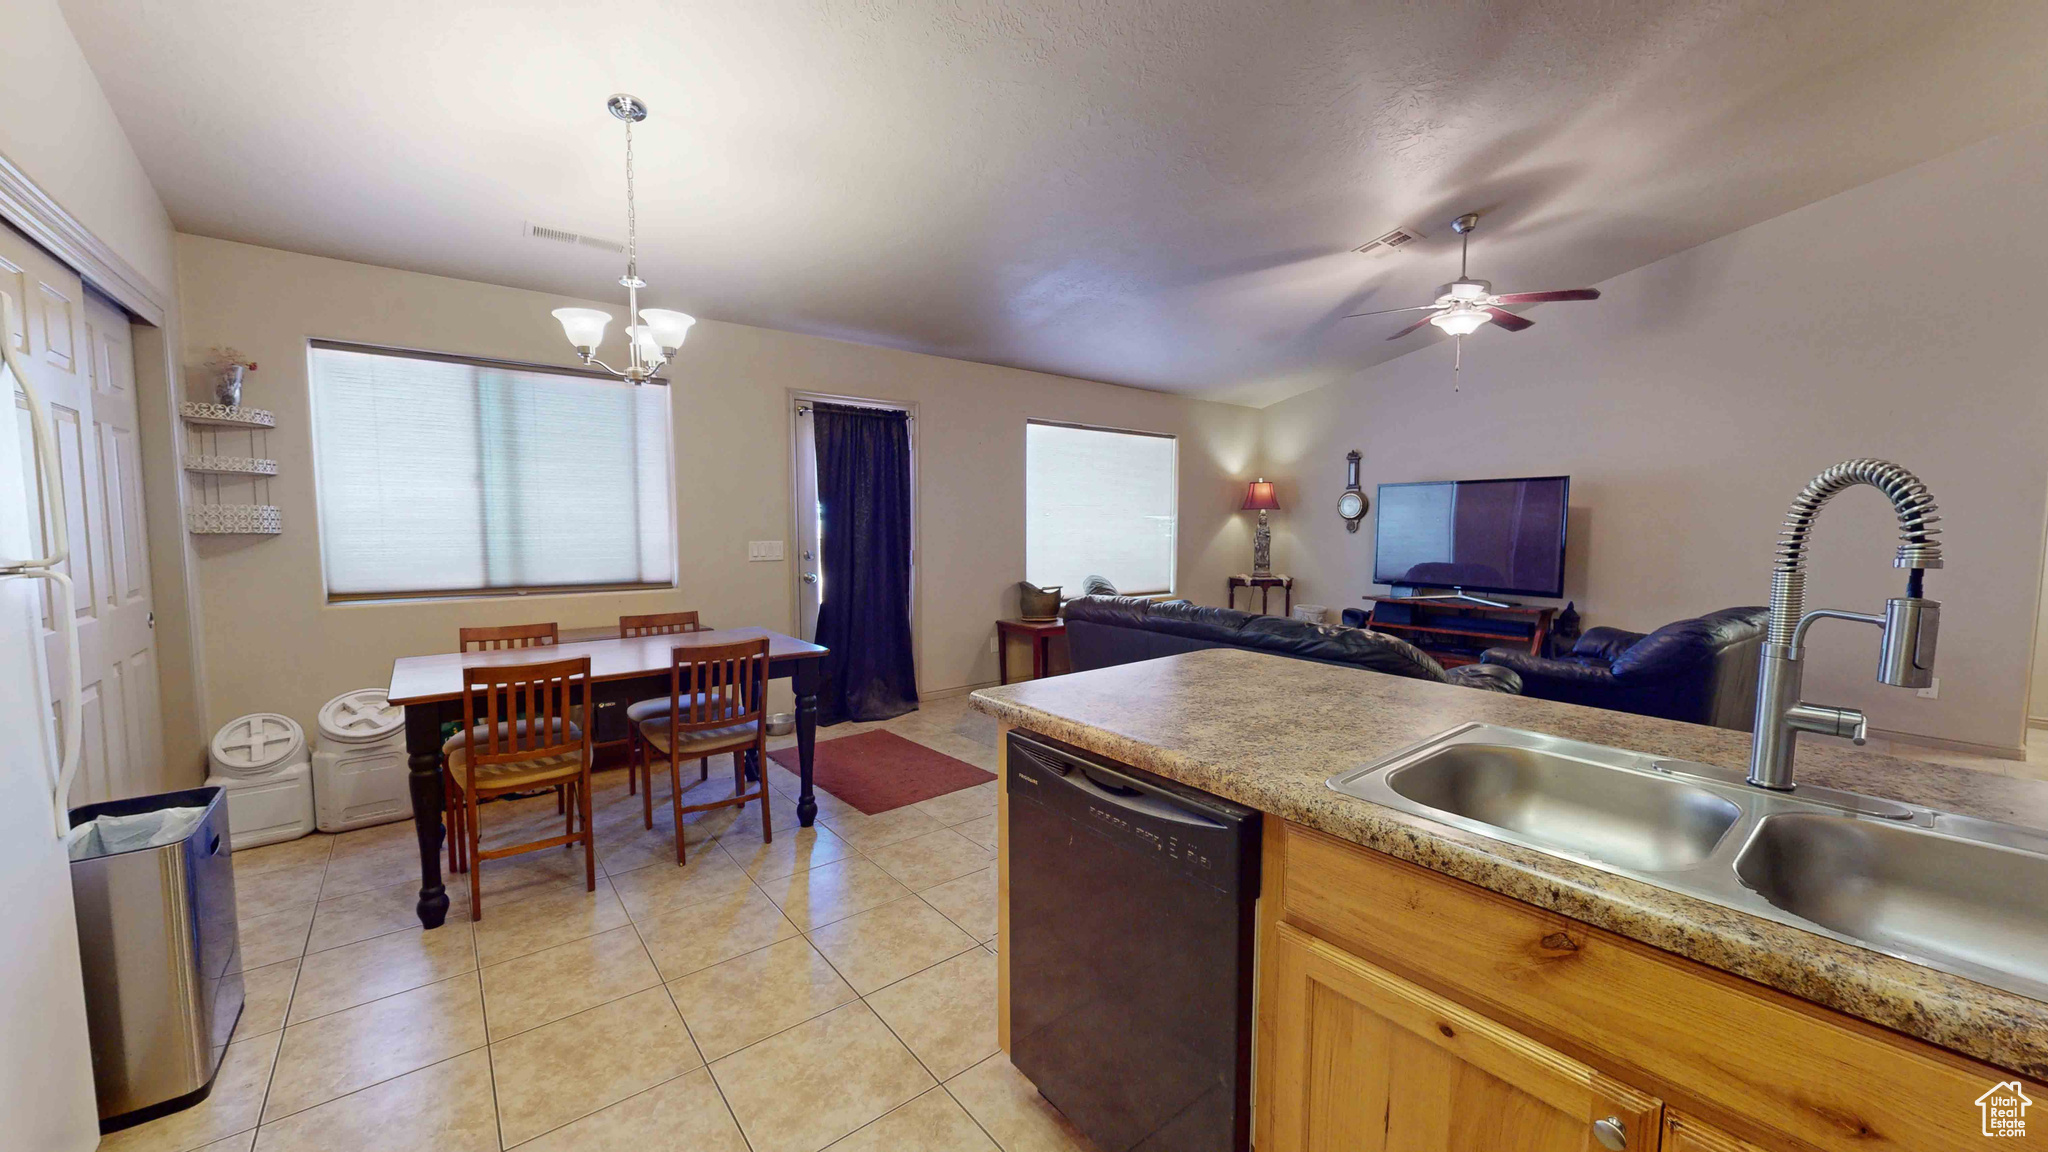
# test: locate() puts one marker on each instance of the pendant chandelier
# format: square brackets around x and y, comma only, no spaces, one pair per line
[660,333]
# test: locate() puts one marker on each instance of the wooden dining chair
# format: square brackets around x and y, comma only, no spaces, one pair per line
[501,752]
[494,639]
[717,702]
[511,636]
[653,624]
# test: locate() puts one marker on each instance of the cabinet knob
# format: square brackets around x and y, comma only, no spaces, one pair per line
[1611,1135]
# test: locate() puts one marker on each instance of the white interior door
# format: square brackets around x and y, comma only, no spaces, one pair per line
[79,347]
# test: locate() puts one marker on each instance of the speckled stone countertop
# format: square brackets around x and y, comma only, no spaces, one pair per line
[1267,731]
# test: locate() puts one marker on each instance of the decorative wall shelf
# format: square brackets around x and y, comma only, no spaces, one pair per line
[230,465]
[234,520]
[229,495]
[226,415]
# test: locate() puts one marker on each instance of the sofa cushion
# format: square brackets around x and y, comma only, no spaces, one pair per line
[1180,618]
[1121,611]
[1690,643]
[1606,643]
[1486,678]
[1356,646]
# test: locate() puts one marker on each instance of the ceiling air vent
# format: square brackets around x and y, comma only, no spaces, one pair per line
[1390,242]
[564,236]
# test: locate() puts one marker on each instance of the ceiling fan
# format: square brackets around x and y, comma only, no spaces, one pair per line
[1466,304]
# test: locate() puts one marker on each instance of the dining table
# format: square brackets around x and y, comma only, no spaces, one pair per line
[622,671]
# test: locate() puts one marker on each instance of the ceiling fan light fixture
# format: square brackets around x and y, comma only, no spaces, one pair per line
[1462,321]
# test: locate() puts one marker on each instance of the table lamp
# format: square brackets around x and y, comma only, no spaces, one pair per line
[1259,495]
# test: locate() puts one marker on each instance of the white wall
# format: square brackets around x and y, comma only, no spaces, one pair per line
[273,643]
[1690,404]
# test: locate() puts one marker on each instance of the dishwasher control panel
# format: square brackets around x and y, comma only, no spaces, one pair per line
[1189,830]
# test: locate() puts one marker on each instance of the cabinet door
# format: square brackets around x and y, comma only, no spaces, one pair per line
[1359,1060]
[1682,1133]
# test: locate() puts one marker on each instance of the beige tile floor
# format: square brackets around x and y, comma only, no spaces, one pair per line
[835,988]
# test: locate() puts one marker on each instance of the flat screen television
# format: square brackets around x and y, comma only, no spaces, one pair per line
[1503,536]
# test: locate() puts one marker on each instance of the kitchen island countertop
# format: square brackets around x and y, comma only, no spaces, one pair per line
[1268,731]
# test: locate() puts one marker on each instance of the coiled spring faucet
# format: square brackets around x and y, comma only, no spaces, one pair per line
[1910,622]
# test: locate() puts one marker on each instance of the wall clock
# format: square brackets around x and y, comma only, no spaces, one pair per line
[1352,505]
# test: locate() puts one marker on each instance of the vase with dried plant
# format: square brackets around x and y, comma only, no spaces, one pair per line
[229,366]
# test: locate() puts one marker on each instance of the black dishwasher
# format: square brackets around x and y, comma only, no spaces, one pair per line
[1131,901]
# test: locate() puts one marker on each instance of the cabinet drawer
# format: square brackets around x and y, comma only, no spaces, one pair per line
[1763,1064]
[1374,1063]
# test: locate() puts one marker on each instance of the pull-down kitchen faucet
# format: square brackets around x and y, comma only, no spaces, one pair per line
[1910,622]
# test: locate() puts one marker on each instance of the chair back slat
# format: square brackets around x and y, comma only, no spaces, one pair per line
[510,636]
[717,686]
[548,691]
[658,624]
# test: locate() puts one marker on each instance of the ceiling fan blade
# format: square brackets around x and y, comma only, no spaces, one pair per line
[1387,311]
[1547,297]
[1410,328]
[1509,320]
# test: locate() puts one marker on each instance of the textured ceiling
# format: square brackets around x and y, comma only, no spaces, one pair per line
[1162,194]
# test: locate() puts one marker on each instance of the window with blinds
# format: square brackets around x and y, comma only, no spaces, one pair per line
[438,475]
[1098,501]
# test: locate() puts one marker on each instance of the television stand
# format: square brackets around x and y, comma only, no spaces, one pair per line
[1458,594]
[1455,629]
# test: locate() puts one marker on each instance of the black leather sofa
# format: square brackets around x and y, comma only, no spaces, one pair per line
[1701,670]
[1107,630]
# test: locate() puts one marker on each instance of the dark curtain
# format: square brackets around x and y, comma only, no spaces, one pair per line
[864,486]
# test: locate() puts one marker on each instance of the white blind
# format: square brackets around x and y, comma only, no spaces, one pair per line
[1099,502]
[444,476]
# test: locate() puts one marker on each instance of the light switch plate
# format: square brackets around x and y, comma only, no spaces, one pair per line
[764,549]
[1931,692]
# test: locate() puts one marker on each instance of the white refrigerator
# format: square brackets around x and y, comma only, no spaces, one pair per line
[46,1088]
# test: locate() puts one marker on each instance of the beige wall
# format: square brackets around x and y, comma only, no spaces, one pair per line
[56,125]
[1693,401]
[274,644]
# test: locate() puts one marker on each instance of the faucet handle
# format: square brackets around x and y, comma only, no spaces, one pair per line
[1829,721]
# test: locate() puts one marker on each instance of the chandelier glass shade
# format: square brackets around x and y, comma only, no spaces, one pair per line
[655,341]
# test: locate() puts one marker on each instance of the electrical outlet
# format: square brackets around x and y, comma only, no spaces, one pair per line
[764,549]
[992,642]
[1931,692]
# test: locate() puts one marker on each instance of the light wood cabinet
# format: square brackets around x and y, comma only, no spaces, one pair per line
[1682,1133]
[1368,1062]
[1401,1010]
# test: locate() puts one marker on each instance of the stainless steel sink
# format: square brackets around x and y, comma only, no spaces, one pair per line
[1635,820]
[1918,894]
[1955,893]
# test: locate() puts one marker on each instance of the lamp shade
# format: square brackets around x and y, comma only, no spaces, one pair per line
[1258,497]
[1461,321]
[583,326]
[669,328]
[644,338]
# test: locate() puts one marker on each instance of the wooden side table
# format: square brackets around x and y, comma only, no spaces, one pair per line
[1039,632]
[1265,585]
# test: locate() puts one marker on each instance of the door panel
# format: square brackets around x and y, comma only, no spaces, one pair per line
[1366,1062]
[78,348]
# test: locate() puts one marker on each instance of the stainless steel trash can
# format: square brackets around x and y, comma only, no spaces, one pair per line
[163,972]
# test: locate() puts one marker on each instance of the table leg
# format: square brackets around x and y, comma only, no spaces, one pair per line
[1040,653]
[423,756]
[1002,656]
[1287,603]
[805,681]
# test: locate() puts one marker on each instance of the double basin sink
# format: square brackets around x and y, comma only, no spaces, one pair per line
[1962,895]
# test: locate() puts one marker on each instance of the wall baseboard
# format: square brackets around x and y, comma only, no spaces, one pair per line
[2037,721]
[1991,751]
[949,693]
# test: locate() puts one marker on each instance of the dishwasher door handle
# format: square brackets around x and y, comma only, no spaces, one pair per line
[1138,801]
